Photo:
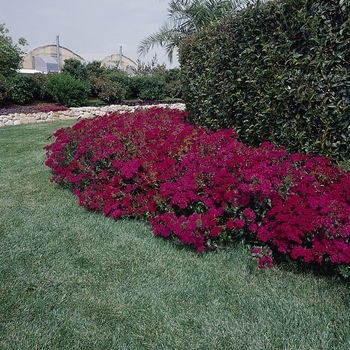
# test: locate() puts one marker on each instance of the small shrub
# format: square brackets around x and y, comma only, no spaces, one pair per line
[68,91]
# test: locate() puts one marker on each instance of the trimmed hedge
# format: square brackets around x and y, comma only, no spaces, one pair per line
[277,71]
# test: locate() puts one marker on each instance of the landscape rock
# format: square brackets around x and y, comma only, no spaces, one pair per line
[76,113]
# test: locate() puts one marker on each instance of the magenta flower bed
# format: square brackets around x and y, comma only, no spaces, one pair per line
[205,187]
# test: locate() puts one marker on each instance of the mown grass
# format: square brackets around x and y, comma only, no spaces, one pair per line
[71,279]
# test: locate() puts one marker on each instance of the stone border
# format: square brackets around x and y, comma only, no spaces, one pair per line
[76,113]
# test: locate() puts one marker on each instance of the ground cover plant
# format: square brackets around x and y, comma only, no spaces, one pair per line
[206,188]
[71,279]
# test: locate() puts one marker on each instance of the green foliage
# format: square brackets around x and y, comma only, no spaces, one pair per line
[10,54]
[108,89]
[39,84]
[186,17]
[173,89]
[277,71]
[109,84]
[152,68]
[148,80]
[94,68]
[149,87]
[75,68]
[4,88]
[122,78]
[22,88]
[65,90]
[172,74]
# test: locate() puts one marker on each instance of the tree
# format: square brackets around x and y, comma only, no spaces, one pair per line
[11,55]
[186,17]
[75,68]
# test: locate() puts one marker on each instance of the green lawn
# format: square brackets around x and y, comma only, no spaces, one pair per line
[71,279]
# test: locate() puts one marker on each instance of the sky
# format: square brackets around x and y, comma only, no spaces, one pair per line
[92,29]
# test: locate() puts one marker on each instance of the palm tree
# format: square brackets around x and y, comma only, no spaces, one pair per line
[186,17]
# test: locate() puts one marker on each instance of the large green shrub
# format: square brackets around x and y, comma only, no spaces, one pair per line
[68,91]
[277,71]
[22,88]
[149,87]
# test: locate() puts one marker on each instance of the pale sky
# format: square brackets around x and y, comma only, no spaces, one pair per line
[92,29]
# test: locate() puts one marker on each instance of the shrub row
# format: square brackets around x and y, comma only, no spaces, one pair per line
[204,187]
[73,86]
[276,71]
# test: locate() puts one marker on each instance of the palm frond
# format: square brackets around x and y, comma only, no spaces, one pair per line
[186,17]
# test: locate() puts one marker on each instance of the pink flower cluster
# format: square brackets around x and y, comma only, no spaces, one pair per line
[205,187]
[263,256]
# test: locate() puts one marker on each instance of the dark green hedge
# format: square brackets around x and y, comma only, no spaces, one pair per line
[277,71]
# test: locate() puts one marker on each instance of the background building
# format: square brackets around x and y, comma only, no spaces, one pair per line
[50,58]
[120,61]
